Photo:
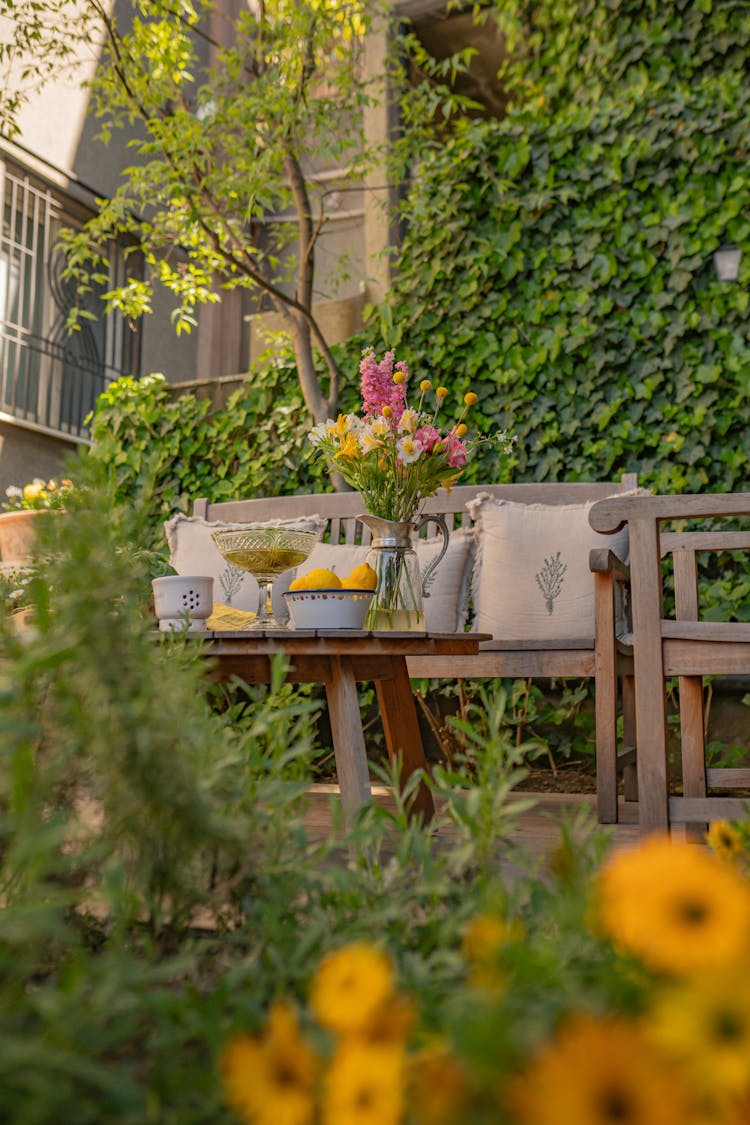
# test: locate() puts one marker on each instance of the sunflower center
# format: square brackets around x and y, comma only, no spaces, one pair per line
[284,1074]
[728,1027]
[615,1106]
[364,1098]
[692,912]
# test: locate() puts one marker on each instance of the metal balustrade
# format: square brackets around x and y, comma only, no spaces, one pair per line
[50,377]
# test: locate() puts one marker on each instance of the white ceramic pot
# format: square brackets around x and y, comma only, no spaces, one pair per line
[182,602]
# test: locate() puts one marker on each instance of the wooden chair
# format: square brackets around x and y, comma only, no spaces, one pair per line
[602,656]
[685,647]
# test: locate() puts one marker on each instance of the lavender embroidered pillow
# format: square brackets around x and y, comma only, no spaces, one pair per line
[531,579]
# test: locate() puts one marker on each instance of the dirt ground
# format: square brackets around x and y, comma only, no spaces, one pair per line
[566,778]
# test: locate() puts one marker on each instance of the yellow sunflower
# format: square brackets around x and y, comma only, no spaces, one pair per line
[364,1085]
[705,1023]
[486,934]
[725,841]
[599,1072]
[391,1022]
[482,945]
[350,987]
[737,1113]
[439,1088]
[270,1078]
[675,905]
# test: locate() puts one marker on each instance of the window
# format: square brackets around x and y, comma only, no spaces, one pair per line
[48,377]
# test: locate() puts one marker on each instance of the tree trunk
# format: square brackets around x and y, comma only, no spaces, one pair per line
[319,407]
[315,401]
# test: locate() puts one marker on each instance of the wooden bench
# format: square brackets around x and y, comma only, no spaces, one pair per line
[601,657]
[685,647]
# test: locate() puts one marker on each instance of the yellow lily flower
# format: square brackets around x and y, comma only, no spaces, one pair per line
[349,447]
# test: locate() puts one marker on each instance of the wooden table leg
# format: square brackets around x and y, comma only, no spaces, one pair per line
[348,736]
[402,734]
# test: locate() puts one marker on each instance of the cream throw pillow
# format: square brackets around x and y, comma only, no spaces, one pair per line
[531,579]
[446,609]
[193,551]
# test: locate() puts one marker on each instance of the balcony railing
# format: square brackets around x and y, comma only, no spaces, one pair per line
[48,384]
[50,377]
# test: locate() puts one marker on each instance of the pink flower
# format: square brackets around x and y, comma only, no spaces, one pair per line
[428,437]
[378,388]
[456,453]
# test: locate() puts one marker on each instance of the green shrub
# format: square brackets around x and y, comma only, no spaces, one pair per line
[168,450]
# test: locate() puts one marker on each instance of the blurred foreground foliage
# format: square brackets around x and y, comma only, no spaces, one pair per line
[162,890]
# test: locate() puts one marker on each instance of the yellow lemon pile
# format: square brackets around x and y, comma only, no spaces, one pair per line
[361,578]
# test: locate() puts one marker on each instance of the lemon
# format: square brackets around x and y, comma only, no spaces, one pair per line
[299,583]
[361,578]
[319,579]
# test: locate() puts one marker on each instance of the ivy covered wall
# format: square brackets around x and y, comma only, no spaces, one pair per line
[562,266]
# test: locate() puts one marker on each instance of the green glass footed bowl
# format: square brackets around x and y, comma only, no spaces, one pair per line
[265,552]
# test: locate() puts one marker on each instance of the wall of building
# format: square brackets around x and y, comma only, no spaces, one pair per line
[27,454]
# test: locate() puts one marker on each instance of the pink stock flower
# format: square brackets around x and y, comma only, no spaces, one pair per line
[378,388]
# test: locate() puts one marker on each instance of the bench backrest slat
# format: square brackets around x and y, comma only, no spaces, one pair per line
[341,508]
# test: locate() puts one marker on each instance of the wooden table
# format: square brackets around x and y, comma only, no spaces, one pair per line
[338,659]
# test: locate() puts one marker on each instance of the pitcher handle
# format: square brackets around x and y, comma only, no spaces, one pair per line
[442,527]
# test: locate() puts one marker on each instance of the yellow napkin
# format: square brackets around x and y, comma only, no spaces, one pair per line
[224,617]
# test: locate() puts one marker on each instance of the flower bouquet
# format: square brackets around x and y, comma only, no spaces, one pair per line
[396,456]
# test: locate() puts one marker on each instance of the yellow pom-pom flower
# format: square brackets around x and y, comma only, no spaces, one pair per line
[34,491]
[470,398]
[399,377]
[442,392]
[425,386]
[387,412]
[462,429]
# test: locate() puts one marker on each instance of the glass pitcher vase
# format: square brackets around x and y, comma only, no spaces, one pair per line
[401,587]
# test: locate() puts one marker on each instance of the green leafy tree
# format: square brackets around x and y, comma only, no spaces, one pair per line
[231,119]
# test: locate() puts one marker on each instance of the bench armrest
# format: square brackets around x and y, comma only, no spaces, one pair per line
[604,561]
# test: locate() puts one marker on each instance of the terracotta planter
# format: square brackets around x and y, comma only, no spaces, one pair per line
[18,533]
